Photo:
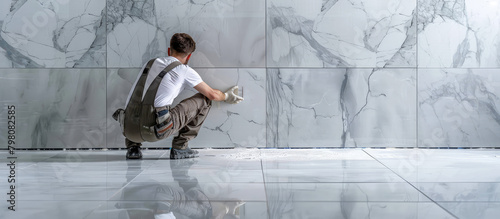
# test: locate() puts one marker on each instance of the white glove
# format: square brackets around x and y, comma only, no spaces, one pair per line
[232,96]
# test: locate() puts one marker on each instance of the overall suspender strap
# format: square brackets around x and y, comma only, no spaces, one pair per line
[140,115]
[151,130]
[153,88]
[136,97]
[132,118]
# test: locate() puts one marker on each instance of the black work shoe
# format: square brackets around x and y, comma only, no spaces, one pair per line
[183,153]
[134,152]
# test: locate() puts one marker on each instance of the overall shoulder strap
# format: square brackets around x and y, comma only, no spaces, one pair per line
[153,88]
[139,87]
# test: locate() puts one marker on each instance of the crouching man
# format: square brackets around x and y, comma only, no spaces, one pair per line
[148,114]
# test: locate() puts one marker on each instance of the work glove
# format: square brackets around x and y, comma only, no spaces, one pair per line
[232,96]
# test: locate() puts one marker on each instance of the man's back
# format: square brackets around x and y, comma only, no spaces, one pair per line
[173,82]
[144,120]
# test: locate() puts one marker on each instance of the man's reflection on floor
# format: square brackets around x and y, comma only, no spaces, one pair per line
[161,201]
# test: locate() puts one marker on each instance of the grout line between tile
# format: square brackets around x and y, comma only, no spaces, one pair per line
[409,183]
[416,79]
[264,183]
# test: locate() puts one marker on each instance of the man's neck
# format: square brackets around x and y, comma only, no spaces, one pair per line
[180,58]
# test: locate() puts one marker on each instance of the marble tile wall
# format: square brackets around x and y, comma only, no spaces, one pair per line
[53,34]
[349,108]
[333,33]
[55,108]
[320,73]
[459,34]
[229,33]
[459,107]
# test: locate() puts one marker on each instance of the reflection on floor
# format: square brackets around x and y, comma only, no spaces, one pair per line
[255,183]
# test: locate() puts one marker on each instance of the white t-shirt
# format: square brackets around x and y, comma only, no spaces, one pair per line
[171,84]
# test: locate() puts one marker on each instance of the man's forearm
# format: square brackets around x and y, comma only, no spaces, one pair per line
[219,95]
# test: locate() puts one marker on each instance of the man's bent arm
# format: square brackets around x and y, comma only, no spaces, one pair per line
[210,93]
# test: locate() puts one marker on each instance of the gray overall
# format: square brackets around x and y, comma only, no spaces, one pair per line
[142,122]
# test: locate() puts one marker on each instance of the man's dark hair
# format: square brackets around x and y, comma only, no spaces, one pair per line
[182,43]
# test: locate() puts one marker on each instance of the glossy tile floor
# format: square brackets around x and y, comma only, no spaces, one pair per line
[255,183]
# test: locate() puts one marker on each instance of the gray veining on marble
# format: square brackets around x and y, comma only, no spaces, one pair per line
[462,192]
[361,33]
[459,107]
[474,209]
[52,209]
[295,209]
[53,34]
[458,33]
[55,108]
[228,33]
[241,125]
[341,108]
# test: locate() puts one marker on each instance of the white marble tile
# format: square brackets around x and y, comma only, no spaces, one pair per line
[235,159]
[241,125]
[359,33]
[68,191]
[62,175]
[314,159]
[205,176]
[167,171]
[461,192]
[449,158]
[468,175]
[346,192]
[404,163]
[304,163]
[331,175]
[50,209]
[322,166]
[214,191]
[338,107]
[458,107]
[53,34]
[441,166]
[304,107]
[465,166]
[254,210]
[483,210]
[55,108]
[227,209]
[4,10]
[26,159]
[283,208]
[227,33]
[102,184]
[458,33]
[432,210]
